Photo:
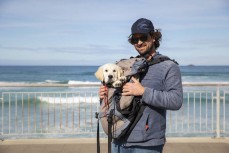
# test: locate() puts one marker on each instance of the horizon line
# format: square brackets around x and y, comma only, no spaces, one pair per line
[191,65]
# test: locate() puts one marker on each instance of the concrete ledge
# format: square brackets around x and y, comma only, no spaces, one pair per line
[104,140]
[52,141]
[88,145]
[198,140]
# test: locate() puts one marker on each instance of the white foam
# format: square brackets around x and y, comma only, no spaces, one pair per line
[21,83]
[69,100]
[9,83]
[52,81]
[81,82]
[49,82]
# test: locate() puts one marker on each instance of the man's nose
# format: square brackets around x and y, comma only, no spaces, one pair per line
[139,42]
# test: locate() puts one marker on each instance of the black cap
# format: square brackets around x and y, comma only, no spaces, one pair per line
[142,25]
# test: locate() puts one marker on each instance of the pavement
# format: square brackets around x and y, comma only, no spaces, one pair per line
[88,145]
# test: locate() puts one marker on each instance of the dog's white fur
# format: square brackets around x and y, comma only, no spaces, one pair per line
[111,74]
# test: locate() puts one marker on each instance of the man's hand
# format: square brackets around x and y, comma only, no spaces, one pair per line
[133,89]
[102,92]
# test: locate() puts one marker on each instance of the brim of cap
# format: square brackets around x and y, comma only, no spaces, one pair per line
[138,33]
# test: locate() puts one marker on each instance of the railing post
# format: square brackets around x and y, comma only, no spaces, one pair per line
[1,134]
[218,112]
[2,114]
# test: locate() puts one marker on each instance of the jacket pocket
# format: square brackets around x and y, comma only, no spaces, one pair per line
[150,126]
[156,127]
[138,133]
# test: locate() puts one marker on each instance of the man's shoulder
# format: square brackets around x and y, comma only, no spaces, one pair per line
[164,67]
[168,59]
[162,60]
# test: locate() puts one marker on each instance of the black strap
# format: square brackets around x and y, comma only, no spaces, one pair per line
[155,60]
[109,120]
[160,59]
[98,138]
[137,118]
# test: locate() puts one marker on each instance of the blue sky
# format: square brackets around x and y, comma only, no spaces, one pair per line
[94,32]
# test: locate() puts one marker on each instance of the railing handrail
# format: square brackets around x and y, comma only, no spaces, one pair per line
[205,83]
[29,105]
[98,84]
[50,85]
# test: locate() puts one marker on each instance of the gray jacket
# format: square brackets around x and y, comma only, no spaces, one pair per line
[163,91]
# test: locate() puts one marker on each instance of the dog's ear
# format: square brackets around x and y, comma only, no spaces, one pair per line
[99,73]
[120,72]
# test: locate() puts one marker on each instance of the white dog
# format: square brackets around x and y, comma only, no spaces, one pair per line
[111,74]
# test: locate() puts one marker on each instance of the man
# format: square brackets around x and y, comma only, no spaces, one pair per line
[160,89]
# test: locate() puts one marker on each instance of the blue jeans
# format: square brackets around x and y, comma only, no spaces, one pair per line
[116,148]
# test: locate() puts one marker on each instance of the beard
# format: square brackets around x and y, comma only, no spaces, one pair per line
[147,52]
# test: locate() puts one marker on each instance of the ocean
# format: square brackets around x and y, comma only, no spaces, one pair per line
[85,74]
[13,114]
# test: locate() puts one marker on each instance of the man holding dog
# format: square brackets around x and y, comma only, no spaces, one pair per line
[160,89]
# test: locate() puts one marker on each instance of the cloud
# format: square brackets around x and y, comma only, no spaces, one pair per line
[87,28]
[89,49]
[176,15]
[94,11]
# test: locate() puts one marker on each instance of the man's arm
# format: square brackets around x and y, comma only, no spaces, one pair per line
[172,97]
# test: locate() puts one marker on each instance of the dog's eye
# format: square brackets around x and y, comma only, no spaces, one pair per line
[106,70]
[114,70]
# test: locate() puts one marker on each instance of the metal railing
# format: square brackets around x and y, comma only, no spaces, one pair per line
[57,110]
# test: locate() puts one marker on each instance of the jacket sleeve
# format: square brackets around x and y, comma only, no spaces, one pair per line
[171,97]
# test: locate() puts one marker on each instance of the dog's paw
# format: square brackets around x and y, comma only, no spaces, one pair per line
[117,84]
[122,79]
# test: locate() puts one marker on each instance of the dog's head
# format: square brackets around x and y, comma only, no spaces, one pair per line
[109,73]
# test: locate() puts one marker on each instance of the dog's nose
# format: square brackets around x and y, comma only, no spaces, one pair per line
[110,76]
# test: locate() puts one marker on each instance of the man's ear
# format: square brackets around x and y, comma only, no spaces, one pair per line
[99,73]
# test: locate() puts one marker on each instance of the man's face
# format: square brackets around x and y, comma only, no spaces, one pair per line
[143,43]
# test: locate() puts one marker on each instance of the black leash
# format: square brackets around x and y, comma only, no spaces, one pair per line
[109,120]
[98,137]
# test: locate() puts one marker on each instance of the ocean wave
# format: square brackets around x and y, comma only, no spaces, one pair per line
[49,82]
[69,100]
[81,82]
[5,83]
[52,81]
[56,82]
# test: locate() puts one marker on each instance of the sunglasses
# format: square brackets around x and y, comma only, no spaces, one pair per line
[134,40]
